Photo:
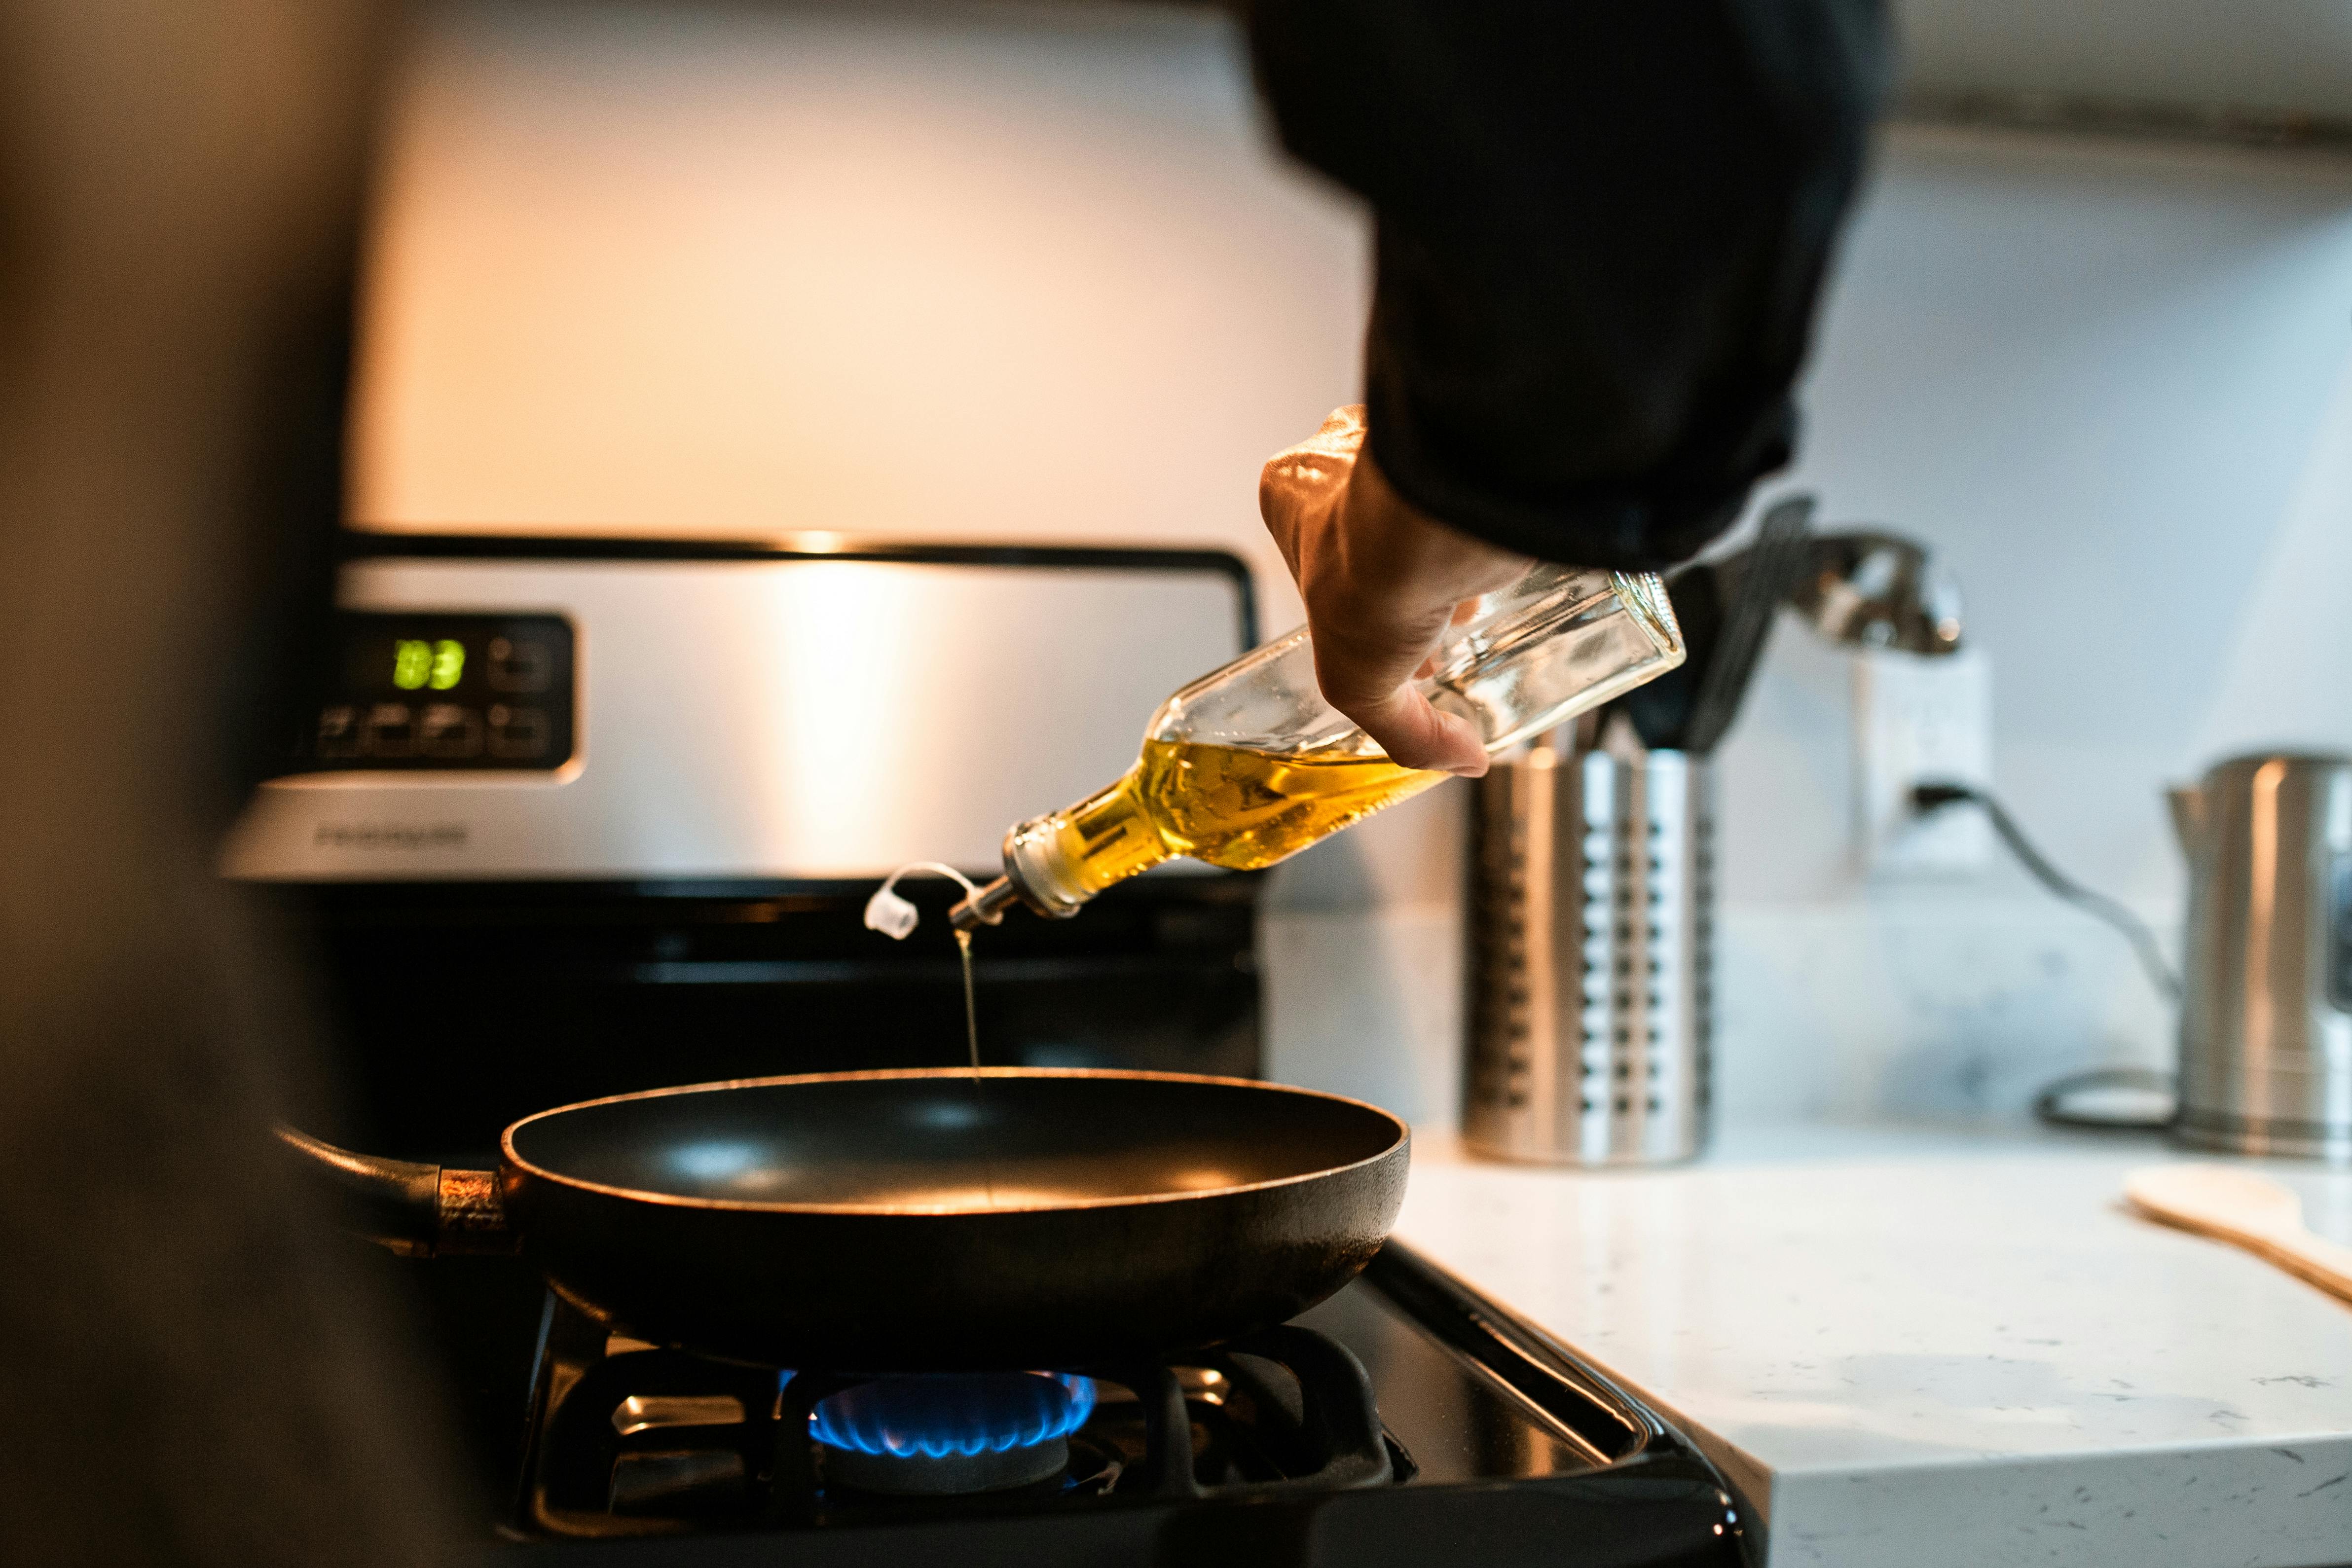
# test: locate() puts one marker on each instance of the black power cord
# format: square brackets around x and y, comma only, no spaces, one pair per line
[2053,1104]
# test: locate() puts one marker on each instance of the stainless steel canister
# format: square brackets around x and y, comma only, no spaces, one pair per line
[2266,1010]
[1590,966]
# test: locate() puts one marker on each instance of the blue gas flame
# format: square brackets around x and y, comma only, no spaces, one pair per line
[939,1413]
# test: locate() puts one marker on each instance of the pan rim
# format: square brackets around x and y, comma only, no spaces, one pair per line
[515,1161]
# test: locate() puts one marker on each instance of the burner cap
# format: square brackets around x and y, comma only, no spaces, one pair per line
[922,1475]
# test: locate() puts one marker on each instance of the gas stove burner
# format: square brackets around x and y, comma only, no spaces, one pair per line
[950,1433]
[1268,1446]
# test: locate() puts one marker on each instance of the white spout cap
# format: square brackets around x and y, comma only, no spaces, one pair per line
[894,917]
[891,914]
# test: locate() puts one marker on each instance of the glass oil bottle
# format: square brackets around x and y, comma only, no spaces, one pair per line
[1248,766]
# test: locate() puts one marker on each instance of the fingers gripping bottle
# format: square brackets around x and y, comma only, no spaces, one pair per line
[1249,766]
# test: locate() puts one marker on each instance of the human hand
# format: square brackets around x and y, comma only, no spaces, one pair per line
[1381,581]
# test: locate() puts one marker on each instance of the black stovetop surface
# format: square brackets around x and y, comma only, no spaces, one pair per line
[1491,1445]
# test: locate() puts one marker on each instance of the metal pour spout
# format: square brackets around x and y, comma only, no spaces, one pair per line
[985,907]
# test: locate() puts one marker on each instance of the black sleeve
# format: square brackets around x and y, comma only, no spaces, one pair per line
[1601,230]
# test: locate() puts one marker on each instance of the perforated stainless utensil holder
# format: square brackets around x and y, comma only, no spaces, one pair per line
[1590,966]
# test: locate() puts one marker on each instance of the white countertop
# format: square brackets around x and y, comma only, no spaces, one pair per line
[1917,1347]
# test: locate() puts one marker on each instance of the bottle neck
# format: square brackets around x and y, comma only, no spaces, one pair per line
[1041,868]
[1056,862]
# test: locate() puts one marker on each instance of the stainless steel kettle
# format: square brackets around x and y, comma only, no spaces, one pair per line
[2266,1006]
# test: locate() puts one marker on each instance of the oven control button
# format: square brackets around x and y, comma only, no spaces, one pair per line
[520,664]
[518,734]
[390,730]
[451,731]
[339,732]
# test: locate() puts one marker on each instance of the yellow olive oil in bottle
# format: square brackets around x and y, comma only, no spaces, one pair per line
[1248,766]
[1231,806]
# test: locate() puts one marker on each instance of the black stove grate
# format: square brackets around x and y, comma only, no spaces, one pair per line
[1406,1420]
[632,1439]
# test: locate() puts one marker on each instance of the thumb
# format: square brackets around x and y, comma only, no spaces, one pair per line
[1415,733]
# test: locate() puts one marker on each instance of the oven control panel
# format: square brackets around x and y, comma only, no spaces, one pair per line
[414,691]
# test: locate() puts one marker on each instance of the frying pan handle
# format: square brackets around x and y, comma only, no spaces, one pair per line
[415,1211]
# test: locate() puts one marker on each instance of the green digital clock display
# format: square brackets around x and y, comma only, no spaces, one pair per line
[419,663]
[433,690]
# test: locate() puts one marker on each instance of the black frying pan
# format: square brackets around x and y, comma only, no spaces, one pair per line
[841,1221]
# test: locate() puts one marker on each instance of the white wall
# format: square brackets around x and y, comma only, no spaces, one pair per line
[967,271]
[994,272]
[2107,382]
[2112,384]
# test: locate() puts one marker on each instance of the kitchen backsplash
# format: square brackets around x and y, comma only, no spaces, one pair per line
[997,271]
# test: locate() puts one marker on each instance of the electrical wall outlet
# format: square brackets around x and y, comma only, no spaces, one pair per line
[1920,719]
